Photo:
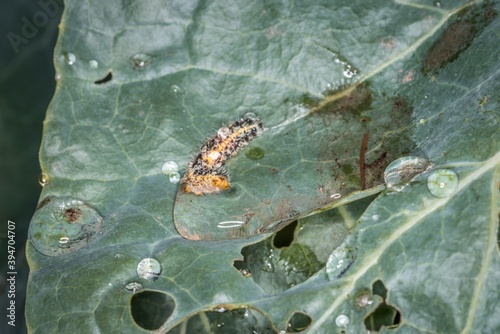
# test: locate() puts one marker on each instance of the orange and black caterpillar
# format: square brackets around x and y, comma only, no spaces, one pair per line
[206,174]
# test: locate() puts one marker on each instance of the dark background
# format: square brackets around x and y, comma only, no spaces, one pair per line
[26,87]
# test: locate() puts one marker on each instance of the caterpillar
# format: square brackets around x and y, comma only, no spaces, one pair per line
[206,174]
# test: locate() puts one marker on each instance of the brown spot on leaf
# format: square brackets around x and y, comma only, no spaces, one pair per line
[72,215]
[455,39]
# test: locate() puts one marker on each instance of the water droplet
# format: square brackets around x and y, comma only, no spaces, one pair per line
[140,61]
[43,179]
[174,177]
[69,58]
[175,89]
[363,299]
[442,182]
[134,287]
[93,64]
[336,196]
[375,218]
[223,132]
[349,72]
[149,269]
[169,167]
[230,224]
[400,172]
[342,321]
[341,258]
[437,4]
[250,115]
[245,272]
[58,76]
[63,225]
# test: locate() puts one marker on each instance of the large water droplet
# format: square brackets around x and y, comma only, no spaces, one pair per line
[169,167]
[341,258]
[442,183]
[140,61]
[400,172]
[363,299]
[134,287]
[43,179]
[149,269]
[174,177]
[63,225]
[70,58]
[342,321]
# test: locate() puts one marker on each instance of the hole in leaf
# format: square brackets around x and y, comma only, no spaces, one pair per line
[150,309]
[107,78]
[384,315]
[284,237]
[298,322]
[226,321]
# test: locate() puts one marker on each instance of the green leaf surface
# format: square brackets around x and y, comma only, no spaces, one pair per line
[141,84]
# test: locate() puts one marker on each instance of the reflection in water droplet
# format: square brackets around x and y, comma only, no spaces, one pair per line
[442,182]
[58,76]
[149,269]
[63,225]
[341,258]
[64,240]
[140,61]
[43,179]
[69,58]
[169,167]
[375,218]
[400,172]
[223,132]
[174,177]
[336,196]
[230,224]
[134,287]
[93,64]
[175,89]
[342,321]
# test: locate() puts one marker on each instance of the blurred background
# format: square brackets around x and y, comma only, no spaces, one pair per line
[28,30]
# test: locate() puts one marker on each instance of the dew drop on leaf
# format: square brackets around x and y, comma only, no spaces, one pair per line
[223,132]
[70,58]
[442,183]
[140,61]
[342,321]
[169,167]
[63,225]
[93,64]
[149,269]
[134,287]
[43,179]
[341,258]
[400,172]
[174,177]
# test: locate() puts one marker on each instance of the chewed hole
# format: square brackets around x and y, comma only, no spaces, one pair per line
[225,319]
[107,78]
[298,322]
[285,236]
[384,315]
[151,309]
